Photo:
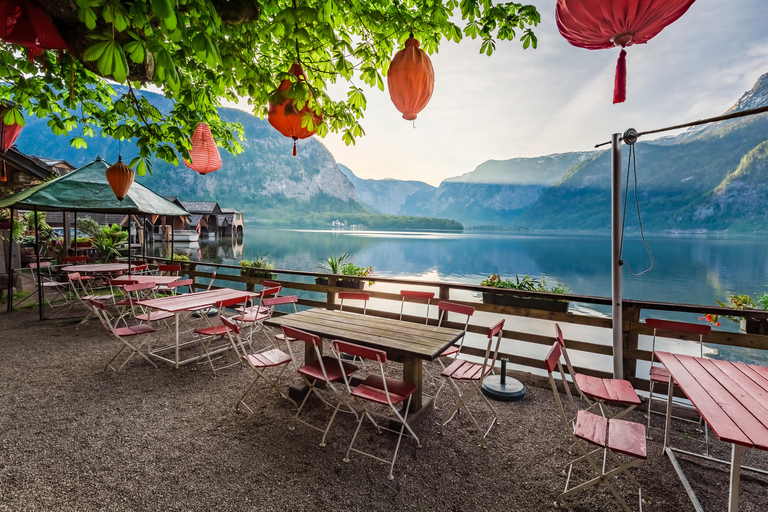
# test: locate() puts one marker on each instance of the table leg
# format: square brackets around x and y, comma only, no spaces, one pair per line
[733,494]
[412,373]
[177,314]
[669,413]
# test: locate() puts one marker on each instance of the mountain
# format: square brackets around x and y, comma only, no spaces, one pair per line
[496,192]
[708,179]
[385,196]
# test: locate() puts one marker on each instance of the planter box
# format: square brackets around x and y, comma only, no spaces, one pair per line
[5,224]
[558,306]
[83,245]
[324,281]
[754,325]
[356,284]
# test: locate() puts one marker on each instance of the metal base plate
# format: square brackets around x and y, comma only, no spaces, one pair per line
[512,390]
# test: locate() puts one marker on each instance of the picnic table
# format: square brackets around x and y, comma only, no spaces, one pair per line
[187,303]
[405,342]
[733,400]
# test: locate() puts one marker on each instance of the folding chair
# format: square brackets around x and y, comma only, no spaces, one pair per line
[49,283]
[84,295]
[327,370]
[133,293]
[173,287]
[377,389]
[168,270]
[659,373]
[454,350]
[624,437]
[123,334]
[280,301]
[256,314]
[206,335]
[411,296]
[361,296]
[259,362]
[613,392]
[474,374]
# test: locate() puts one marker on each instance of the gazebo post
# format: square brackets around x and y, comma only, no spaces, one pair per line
[144,237]
[129,244]
[67,248]
[10,265]
[37,257]
[173,235]
[618,352]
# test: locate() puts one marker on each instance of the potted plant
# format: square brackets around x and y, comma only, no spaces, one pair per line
[181,260]
[261,267]
[746,324]
[83,242]
[350,269]
[333,265]
[528,284]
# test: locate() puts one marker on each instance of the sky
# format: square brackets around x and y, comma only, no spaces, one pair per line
[558,98]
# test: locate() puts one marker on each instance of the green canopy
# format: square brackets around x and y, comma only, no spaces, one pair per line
[87,190]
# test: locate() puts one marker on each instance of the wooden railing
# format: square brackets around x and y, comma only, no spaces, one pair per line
[633,312]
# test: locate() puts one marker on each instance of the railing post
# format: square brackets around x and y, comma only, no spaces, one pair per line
[445,294]
[330,298]
[192,275]
[631,317]
[250,285]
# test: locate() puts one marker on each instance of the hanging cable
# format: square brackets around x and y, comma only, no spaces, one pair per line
[630,137]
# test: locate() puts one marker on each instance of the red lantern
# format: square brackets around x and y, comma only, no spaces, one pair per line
[285,117]
[411,79]
[25,23]
[8,134]
[120,178]
[204,153]
[600,24]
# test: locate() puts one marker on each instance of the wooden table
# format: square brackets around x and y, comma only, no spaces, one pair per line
[404,342]
[143,278]
[97,268]
[733,400]
[186,303]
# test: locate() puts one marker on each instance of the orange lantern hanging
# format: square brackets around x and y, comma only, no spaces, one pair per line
[285,117]
[120,178]
[411,79]
[204,153]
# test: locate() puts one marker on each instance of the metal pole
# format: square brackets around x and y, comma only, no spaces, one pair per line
[144,238]
[618,355]
[75,233]
[129,244]
[173,236]
[37,257]
[10,265]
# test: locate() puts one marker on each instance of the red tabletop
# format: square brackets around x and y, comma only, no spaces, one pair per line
[143,278]
[97,268]
[197,300]
[731,397]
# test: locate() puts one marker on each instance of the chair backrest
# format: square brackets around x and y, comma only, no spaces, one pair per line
[137,287]
[365,297]
[561,343]
[493,332]
[271,284]
[179,283]
[680,327]
[411,295]
[289,333]
[42,264]
[139,268]
[222,304]
[210,283]
[230,324]
[551,362]
[450,307]
[273,302]
[170,269]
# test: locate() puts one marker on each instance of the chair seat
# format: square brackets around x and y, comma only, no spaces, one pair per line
[659,374]
[268,358]
[216,330]
[453,349]
[612,391]
[314,371]
[249,318]
[124,302]
[98,297]
[591,427]
[154,316]
[627,437]
[372,388]
[52,284]
[134,330]
[464,370]
[281,337]
[252,310]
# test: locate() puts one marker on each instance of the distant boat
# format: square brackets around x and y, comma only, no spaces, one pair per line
[179,235]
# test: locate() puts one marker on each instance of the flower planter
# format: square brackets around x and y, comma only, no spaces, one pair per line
[324,281]
[357,284]
[754,326]
[558,306]
[83,245]
[261,274]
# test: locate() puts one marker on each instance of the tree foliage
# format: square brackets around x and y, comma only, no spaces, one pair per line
[201,53]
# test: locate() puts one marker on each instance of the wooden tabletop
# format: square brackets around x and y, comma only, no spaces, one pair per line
[197,300]
[394,336]
[144,278]
[96,267]
[731,397]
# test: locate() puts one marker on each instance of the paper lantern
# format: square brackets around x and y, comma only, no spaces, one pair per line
[204,153]
[25,23]
[120,178]
[8,135]
[601,24]
[411,79]
[285,117]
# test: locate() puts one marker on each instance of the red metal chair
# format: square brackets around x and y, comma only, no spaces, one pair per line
[49,283]
[415,296]
[124,334]
[453,351]
[256,314]
[281,301]
[84,295]
[461,371]
[174,286]
[206,335]
[168,270]
[613,392]
[134,292]
[623,437]
[658,373]
[259,362]
[325,370]
[361,296]
[378,389]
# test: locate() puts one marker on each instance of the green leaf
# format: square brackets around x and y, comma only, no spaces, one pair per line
[135,50]
[78,142]
[163,9]
[95,51]
[87,16]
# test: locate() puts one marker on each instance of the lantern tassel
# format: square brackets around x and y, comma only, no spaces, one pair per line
[620,83]
[294,148]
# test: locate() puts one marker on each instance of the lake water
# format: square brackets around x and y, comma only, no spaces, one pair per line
[688,269]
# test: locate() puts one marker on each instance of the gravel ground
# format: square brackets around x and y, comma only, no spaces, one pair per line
[73,437]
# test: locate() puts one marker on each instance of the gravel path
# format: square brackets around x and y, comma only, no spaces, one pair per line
[73,437]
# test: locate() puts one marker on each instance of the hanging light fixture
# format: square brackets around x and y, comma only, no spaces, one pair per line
[25,23]
[120,178]
[411,79]
[204,153]
[601,24]
[285,117]
[8,135]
